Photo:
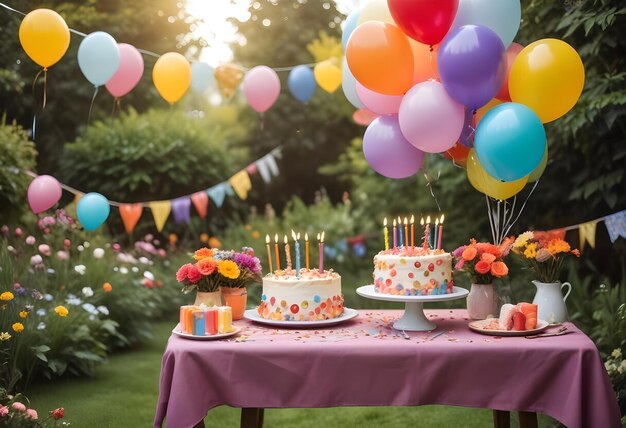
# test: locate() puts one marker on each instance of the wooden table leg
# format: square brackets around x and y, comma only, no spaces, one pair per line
[251,417]
[527,419]
[501,419]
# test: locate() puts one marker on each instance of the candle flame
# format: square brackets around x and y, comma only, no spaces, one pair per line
[399,220]
[298,236]
[412,219]
[306,237]
[322,237]
[293,235]
[441,222]
[267,238]
[394,222]
[385,222]
[406,221]
[286,240]
[422,221]
[318,236]
[276,239]
[437,222]
[428,220]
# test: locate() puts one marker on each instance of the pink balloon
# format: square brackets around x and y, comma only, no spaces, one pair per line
[363,117]
[378,103]
[388,152]
[429,118]
[128,73]
[43,192]
[261,87]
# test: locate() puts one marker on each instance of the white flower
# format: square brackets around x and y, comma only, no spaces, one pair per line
[73,300]
[48,297]
[145,261]
[149,275]
[617,353]
[36,260]
[90,308]
[41,312]
[98,253]
[86,244]
[81,269]
[123,270]
[80,248]
[103,310]
[622,367]
[116,269]
[87,291]
[135,269]
[41,326]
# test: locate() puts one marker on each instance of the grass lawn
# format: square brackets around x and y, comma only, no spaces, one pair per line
[124,392]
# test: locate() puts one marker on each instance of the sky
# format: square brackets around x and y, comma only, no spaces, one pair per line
[218,32]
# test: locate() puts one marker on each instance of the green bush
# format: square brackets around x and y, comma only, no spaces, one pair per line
[17,154]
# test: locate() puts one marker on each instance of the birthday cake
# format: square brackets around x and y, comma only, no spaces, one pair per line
[413,271]
[310,296]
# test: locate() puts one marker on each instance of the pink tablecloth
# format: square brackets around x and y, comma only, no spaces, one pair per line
[365,362]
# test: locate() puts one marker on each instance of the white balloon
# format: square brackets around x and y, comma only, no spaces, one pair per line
[348,84]
[501,16]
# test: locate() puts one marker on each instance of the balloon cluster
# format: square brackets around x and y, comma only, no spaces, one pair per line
[445,77]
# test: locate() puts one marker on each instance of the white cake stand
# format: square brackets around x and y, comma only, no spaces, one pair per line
[413,318]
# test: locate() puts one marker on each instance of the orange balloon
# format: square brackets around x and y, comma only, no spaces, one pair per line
[458,153]
[380,58]
[424,62]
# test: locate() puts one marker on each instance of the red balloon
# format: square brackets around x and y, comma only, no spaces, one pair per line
[511,54]
[426,21]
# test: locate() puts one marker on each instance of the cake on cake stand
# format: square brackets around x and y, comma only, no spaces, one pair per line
[413,318]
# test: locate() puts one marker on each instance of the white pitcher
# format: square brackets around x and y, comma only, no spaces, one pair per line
[550,301]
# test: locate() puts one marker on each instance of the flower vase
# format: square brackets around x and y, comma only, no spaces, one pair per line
[550,301]
[208,298]
[482,301]
[235,298]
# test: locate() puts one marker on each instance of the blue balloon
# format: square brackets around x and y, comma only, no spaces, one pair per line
[301,83]
[502,16]
[349,25]
[510,141]
[98,57]
[201,76]
[348,84]
[92,210]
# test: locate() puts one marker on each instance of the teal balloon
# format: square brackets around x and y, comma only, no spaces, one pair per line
[348,84]
[201,76]
[98,57]
[501,16]
[510,141]
[92,210]
[301,83]
[538,172]
[348,27]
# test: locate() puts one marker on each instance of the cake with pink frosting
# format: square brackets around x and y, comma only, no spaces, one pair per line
[413,271]
[310,296]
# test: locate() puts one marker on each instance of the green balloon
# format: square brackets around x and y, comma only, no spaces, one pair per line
[537,172]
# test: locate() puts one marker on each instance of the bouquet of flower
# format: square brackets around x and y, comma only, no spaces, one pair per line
[544,257]
[215,268]
[483,261]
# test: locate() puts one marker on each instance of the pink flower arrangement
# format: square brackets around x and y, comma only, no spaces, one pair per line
[482,261]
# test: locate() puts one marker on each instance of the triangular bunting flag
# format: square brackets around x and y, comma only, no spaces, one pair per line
[130,214]
[251,169]
[241,184]
[201,202]
[616,225]
[217,194]
[160,212]
[267,167]
[180,209]
[588,234]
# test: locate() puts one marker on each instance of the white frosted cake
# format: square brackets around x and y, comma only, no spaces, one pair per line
[413,271]
[312,296]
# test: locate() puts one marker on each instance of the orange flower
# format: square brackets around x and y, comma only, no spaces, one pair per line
[206,266]
[469,253]
[203,253]
[556,246]
[499,269]
[107,287]
[482,267]
[484,247]
[487,257]
[215,243]
[576,252]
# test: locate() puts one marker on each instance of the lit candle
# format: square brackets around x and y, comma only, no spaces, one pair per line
[297,244]
[439,244]
[277,253]
[400,238]
[428,233]
[435,233]
[321,251]
[386,234]
[287,253]
[406,232]
[306,249]
[412,231]
[269,252]
[395,234]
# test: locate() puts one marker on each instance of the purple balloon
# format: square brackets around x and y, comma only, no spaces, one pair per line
[388,152]
[472,64]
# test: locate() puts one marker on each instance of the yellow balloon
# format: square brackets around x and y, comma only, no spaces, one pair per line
[548,76]
[484,183]
[375,10]
[327,75]
[171,76]
[481,112]
[44,36]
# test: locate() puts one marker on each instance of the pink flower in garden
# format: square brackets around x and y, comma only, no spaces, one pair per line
[49,221]
[16,286]
[45,250]
[30,240]
[36,260]
[149,237]
[4,229]
[63,255]
[67,243]
[18,232]
[20,407]
[161,253]
[116,247]
[32,413]
[4,410]
[58,413]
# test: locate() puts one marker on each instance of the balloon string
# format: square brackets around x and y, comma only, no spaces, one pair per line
[429,183]
[117,105]
[431,64]
[45,80]
[35,103]
[261,121]
[91,105]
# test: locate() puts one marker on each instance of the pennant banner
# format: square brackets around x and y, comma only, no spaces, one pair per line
[616,225]
[180,209]
[587,233]
[160,212]
[267,167]
[241,184]
[130,214]
[201,203]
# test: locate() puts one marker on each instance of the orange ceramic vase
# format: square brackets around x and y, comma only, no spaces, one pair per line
[235,298]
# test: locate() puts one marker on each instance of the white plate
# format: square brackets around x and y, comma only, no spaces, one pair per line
[348,314]
[177,332]
[478,326]
[368,291]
